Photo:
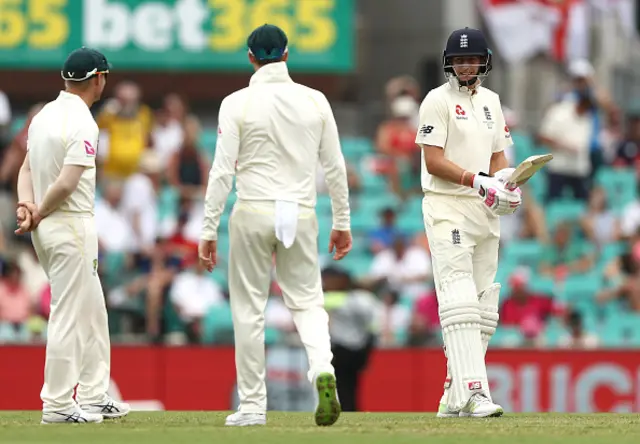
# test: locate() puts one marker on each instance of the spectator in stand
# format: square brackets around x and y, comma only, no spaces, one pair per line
[527,223]
[628,151]
[395,142]
[577,338]
[125,131]
[527,310]
[5,121]
[12,157]
[168,133]
[571,129]
[600,224]
[394,323]
[403,86]
[564,256]
[424,328]
[115,234]
[16,306]
[382,238]
[622,278]
[353,315]
[192,294]
[188,169]
[406,268]
[179,245]
[140,202]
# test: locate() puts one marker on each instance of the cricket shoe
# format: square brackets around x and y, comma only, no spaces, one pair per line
[480,406]
[241,419]
[108,408]
[328,409]
[445,412]
[73,415]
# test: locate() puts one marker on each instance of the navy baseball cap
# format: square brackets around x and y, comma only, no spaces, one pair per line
[84,63]
[268,42]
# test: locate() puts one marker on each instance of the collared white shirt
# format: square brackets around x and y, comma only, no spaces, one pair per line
[563,124]
[470,128]
[64,133]
[271,135]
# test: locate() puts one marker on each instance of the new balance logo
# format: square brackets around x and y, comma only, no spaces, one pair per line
[475,385]
[464,41]
[455,236]
[426,129]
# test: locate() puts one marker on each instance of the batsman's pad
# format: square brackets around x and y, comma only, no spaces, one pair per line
[460,318]
[489,300]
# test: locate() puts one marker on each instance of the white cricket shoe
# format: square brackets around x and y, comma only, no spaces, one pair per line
[241,419]
[445,412]
[108,408]
[480,406]
[73,415]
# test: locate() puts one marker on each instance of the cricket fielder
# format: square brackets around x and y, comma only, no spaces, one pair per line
[56,193]
[463,135]
[271,136]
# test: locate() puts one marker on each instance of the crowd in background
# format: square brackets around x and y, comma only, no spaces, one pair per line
[152,176]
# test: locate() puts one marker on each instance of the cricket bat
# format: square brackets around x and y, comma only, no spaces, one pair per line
[527,169]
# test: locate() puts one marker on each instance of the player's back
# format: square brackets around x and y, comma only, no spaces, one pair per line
[49,136]
[281,125]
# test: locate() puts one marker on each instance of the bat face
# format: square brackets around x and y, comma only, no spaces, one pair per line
[527,169]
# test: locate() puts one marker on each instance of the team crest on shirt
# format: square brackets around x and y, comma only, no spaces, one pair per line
[89,149]
[461,114]
[487,117]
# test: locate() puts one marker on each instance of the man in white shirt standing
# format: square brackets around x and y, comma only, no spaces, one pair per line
[271,136]
[463,136]
[56,193]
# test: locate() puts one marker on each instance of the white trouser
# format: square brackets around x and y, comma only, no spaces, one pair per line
[464,239]
[78,347]
[252,245]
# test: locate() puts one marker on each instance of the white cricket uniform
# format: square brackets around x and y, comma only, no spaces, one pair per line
[463,233]
[271,136]
[66,242]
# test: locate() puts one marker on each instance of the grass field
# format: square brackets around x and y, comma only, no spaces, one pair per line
[374,428]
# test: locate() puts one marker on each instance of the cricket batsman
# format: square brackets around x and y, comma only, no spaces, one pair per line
[463,135]
[271,136]
[56,194]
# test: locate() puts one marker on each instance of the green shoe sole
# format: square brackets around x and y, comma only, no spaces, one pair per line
[328,410]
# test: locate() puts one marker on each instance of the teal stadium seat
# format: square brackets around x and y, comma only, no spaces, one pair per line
[564,210]
[208,140]
[620,186]
[581,287]
[507,337]
[524,146]
[355,149]
[410,223]
[217,325]
[374,203]
[523,252]
[373,183]
[167,202]
[542,284]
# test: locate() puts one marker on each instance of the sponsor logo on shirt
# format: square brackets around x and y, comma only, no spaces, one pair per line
[89,149]
[461,114]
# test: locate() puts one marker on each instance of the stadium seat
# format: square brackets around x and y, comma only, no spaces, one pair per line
[411,223]
[542,284]
[220,277]
[523,252]
[373,183]
[620,186]
[507,337]
[208,139]
[167,202]
[217,325]
[354,149]
[553,331]
[363,222]
[564,210]
[373,204]
[524,146]
[581,287]
[323,205]
[609,252]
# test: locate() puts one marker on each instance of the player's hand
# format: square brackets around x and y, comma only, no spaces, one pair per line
[207,254]
[23,220]
[495,196]
[504,175]
[340,243]
[34,215]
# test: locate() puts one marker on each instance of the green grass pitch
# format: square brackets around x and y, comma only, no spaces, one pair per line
[374,428]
